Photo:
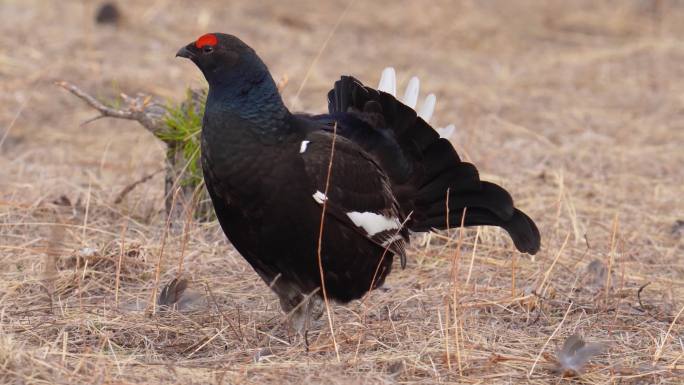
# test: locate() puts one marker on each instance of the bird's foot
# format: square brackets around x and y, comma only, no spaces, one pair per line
[301,318]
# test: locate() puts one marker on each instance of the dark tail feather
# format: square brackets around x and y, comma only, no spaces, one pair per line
[424,168]
[487,203]
[489,196]
[440,161]
[519,226]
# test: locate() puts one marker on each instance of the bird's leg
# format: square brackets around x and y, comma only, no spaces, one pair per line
[303,313]
[293,303]
[299,307]
[298,317]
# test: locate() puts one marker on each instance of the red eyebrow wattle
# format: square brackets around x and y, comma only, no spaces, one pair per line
[208,39]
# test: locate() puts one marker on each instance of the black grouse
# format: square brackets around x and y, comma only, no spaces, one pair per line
[266,170]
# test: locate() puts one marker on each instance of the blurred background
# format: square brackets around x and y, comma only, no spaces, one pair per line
[546,83]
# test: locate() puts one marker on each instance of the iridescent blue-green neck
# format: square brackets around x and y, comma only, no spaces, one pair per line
[247,93]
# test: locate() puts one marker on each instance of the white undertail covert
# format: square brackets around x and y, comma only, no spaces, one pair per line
[388,83]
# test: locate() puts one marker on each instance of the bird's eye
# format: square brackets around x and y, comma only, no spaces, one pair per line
[207,49]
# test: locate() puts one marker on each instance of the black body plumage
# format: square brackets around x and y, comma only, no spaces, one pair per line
[265,169]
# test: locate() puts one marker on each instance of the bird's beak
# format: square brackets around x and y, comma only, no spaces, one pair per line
[185,52]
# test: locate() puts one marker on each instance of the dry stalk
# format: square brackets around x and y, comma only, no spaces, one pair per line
[186,227]
[611,256]
[455,290]
[122,251]
[157,271]
[540,288]
[12,122]
[320,243]
[659,350]
[52,251]
[320,52]
[472,256]
[548,340]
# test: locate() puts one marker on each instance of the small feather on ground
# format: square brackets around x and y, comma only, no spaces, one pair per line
[575,354]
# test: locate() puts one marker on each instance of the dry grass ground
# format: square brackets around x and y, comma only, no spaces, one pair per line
[576,107]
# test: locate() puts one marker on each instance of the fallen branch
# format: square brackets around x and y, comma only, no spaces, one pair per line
[141,108]
[130,187]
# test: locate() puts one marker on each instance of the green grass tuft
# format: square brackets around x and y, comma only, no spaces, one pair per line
[184,123]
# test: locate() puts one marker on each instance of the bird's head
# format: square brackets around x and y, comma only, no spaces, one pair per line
[220,57]
[239,82]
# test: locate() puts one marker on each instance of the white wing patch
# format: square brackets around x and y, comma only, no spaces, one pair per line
[373,223]
[319,197]
[302,147]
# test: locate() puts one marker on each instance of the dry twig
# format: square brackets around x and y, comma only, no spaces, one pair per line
[140,108]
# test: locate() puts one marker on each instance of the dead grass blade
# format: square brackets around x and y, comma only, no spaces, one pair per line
[320,243]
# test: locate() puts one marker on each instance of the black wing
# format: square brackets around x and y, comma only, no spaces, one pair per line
[422,167]
[359,193]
